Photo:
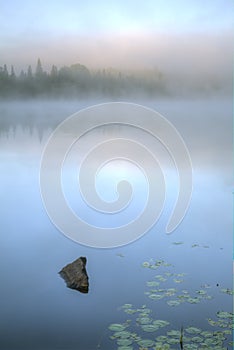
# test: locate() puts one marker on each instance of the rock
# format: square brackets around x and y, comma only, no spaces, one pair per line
[75,275]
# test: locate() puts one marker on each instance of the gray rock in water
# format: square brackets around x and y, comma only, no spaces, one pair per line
[75,275]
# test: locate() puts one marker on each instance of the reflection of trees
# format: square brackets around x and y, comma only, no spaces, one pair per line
[78,81]
[31,116]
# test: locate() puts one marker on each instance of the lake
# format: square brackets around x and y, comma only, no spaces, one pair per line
[184,278]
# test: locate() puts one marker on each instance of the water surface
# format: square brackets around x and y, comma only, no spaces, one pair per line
[37,310]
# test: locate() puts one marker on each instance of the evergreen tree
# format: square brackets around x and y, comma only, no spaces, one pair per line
[5,71]
[54,72]
[12,75]
[22,75]
[29,72]
[39,70]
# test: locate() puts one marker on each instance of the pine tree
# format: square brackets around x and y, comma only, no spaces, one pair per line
[54,72]
[39,70]
[29,72]
[12,75]
[5,71]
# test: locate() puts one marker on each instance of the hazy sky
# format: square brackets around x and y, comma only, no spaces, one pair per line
[117,33]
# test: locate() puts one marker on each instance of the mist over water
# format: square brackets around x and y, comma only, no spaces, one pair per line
[37,310]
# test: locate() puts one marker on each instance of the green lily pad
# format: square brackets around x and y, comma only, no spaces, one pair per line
[160,346]
[180,274]
[193,300]
[146,343]
[201,292]
[176,280]
[184,291]
[124,342]
[224,314]
[117,327]
[144,311]
[207,334]
[146,264]
[150,328]
[197,339]
[219,335]
[173,302]
[194,347]
[127,306]
[130,311]
[227,291]
[144,320]
[161,323]
[174,333]
[152,284]
[122,334]
[155,296]
[193,330]
[170,291]
[173,341]
[162,338]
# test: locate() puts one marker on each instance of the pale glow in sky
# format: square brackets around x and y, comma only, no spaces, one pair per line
[114,33]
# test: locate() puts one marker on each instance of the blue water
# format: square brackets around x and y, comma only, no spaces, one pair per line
[37,310]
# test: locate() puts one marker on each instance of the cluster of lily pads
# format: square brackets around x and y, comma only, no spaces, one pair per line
[144,332]
[195,245]
[158,293]
[191,337]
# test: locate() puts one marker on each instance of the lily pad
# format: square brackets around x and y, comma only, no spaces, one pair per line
[144,320]
[146,264]
[170,291]
[160,346]
[207,334]
[193,300]
[176,280]
[127,306]
[201,292]
[130,311]
[122,334]
[161,323]
[227,291]
[150,328]
[197,339]
[146,343]
[116,327]
[173,302]
[161,338]
[152,284]
[224,314]
[155,296]
[124,342]
[174,333]
[173,341]
[193,330]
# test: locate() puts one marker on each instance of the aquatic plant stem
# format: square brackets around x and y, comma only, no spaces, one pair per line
[181,337]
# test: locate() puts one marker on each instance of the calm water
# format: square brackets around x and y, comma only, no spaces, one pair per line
[37,310]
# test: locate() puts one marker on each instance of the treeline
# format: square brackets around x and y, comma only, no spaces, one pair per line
[78,81]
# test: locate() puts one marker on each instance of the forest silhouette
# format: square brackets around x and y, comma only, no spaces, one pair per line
[78,81]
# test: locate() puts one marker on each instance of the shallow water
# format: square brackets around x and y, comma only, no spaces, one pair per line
[37,310]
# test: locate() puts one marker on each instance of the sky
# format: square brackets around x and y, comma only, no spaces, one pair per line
[121,34]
